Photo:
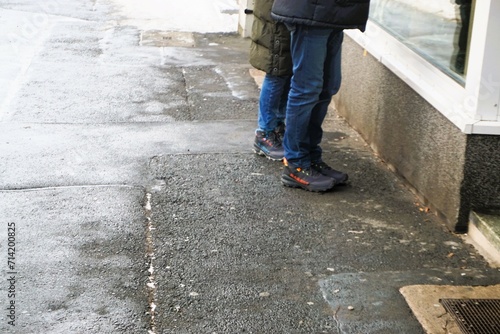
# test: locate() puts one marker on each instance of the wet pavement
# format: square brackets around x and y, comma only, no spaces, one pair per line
[126,168]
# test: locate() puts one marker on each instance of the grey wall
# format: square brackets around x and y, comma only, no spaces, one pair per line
[413,138]
[481,188]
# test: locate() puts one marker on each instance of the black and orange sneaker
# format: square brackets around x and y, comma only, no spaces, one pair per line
[323,168]
[306,178]
[269,145]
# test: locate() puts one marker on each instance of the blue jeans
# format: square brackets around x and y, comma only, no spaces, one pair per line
[316,55]
[273,101]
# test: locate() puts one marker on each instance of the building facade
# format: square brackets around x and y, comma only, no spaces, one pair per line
[422,86]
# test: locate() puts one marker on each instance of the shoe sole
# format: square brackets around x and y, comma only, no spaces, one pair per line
[258,151]
[289,182]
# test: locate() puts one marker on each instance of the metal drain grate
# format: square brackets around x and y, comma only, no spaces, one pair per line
[475,316]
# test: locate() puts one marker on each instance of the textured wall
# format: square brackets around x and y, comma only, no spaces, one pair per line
[412,137]
[481,187]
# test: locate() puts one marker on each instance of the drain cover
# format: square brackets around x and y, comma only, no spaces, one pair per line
[167,38]
[475,316]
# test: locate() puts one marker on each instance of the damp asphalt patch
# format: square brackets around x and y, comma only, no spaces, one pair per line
[78,260]
[236,251]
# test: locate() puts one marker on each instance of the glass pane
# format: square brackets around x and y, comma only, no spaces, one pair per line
[438,30]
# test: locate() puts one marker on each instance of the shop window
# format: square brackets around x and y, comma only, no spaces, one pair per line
[437,30]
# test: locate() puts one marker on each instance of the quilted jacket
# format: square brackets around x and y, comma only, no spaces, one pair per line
[342,14]
[270,46]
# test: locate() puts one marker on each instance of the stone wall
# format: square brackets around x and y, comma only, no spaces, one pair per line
[451,172]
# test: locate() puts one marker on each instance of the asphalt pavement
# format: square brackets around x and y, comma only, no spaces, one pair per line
[131,200]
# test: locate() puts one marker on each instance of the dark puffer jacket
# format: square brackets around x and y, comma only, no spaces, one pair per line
[342,14]
[270,47]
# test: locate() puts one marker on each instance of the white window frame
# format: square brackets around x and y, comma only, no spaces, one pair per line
[474,109]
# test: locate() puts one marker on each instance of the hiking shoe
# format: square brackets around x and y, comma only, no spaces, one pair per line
[323,168]
[269,145]
[306,178]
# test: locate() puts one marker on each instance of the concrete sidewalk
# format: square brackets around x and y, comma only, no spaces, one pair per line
[138,205]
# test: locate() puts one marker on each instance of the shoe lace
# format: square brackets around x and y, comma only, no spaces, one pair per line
[272,139]
[322,165]
[307,171]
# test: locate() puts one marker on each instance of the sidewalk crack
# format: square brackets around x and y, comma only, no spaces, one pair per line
[186,97]
[336,320]
[150,255]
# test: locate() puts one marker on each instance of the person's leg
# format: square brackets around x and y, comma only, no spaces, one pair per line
[271,101]
[281,113]
[267,141]
[331,85]
[309,51]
